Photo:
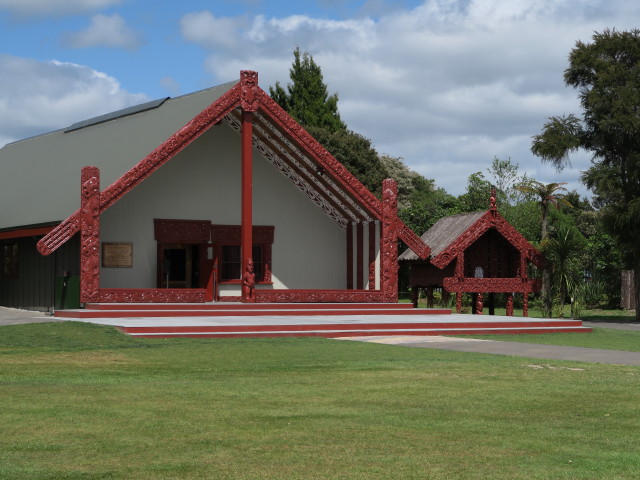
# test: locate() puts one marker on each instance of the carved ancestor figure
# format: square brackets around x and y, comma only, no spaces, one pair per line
[249,281]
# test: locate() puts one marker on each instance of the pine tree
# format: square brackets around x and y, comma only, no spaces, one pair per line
[306,98]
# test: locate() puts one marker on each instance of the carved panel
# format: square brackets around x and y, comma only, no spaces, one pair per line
[389,242]
[90,235]
[261,234]
[319,296]
[152,295]
[181,231]
[496,285]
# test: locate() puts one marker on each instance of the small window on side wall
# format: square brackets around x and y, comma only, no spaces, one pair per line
[9,254]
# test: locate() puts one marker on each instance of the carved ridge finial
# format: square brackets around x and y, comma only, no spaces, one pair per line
[249,90]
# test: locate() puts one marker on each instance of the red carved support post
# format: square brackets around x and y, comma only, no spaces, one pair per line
[525,304]
[458,302]
[90,235]
[249,104]
[389,243]
[510,305]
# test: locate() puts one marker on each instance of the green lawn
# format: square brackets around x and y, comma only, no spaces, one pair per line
[80,401]
[607,338]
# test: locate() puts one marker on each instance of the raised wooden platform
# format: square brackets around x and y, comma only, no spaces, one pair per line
[225,320]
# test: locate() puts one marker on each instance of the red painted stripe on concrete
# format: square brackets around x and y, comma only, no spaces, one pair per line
[364,333]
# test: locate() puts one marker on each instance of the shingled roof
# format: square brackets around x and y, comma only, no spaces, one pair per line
[443,233]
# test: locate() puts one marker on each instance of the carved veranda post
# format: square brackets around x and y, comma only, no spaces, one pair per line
[90,235]
[249,104]
[509,304]
[389,242]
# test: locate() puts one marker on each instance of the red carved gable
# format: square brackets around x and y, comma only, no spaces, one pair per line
[491,219]
[250,97]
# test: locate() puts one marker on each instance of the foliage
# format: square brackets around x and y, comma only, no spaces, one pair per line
[356,153]
[563,251]
[306,98]
[476,198]
[506,176]
[606,75]
[308,102]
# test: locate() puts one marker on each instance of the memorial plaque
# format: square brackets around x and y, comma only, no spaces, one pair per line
[117,255]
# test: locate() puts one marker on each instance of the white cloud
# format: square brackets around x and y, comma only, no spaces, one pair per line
[57,7]
[105,31]
[38,97]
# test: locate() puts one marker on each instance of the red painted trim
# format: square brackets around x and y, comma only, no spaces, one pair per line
[90,235]
[372,256]
[25,232]
[319,296]
[349,256]
[247,201]
[359,256]
[152,295]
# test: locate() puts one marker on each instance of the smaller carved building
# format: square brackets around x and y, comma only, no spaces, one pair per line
[478,253]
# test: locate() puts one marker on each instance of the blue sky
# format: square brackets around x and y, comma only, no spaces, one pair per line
[445,84]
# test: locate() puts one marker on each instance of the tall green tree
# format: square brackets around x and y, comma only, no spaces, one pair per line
[606,73]
[307,98]
[548,195]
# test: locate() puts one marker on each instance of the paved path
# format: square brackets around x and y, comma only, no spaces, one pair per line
[532,350]
[14,316]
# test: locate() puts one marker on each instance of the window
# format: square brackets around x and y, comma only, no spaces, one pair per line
[226,242]
[231,263]
[9,254]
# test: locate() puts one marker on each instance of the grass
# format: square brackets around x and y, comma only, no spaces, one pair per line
[606,338]
[81,401]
